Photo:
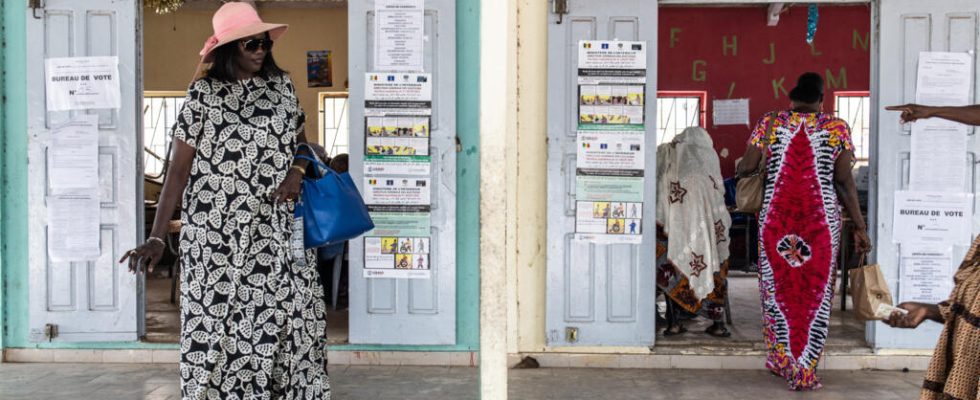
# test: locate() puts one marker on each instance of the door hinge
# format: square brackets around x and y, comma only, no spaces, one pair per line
[34,5]
[561,8]
[50,331]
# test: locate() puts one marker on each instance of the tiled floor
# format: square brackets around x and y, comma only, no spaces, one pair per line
[159,382]
[846,332]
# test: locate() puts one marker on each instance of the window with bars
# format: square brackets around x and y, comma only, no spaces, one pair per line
[334,127]
[159,115]
[855,109]
[677,111]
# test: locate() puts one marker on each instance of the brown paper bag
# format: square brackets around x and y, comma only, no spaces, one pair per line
[868,290]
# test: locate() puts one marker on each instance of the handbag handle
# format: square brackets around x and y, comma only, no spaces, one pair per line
[317,163]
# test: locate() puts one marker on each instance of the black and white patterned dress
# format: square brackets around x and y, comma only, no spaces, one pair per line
[252,315]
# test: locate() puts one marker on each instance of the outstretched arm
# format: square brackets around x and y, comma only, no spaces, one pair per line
[969,115]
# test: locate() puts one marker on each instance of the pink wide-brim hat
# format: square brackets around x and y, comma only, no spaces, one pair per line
[235,21]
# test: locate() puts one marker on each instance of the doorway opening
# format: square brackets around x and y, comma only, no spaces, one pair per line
[731,53]
[315,53]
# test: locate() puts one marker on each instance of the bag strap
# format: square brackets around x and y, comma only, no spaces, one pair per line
[317,163]
[763,163]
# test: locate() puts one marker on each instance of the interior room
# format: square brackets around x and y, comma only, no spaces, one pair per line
[314,52]
[711,53]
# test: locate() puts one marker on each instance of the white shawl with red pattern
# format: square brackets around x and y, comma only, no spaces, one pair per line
[691,207]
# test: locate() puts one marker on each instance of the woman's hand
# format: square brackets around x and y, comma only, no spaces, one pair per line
[912,112]
[144,257]
[862,243]
[290,187]
[917,312]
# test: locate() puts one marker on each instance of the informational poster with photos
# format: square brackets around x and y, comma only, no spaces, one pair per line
[609,222]
[611,85]
[398,174]
[397,136]
[601,105]
[397,257]
[611,141]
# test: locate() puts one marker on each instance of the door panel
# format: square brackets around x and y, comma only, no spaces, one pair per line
[97,300]
[383,310]
[605,293]
[908,27]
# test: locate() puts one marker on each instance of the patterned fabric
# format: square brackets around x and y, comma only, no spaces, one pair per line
[677,288]
[691,208]
[799,229]
[252,315]
[954,372]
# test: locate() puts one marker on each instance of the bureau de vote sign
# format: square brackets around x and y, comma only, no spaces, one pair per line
[82,83]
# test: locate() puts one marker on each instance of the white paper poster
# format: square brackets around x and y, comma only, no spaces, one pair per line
[385,91]
[401,166]
[606,55]
[938,160]
[397,257]
[730,112]
[81,83]
[399,38]
[73,157]
[73,227]
[944,79]
[395,191]
[926,273]
[933,218]
[619,151]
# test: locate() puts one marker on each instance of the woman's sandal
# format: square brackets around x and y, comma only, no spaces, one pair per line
[670,331]
[718,331]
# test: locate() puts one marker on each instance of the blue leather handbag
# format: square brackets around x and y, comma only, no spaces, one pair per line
[331,207]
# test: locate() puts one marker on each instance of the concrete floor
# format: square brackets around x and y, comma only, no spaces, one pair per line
[159,382]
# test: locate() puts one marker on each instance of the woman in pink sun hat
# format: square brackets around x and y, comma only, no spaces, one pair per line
[253,321]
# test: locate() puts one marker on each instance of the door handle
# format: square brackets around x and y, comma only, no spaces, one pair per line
[561,8]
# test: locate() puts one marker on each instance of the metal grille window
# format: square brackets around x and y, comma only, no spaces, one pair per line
[159,115]
[677,111]
[334,127]
[855,109]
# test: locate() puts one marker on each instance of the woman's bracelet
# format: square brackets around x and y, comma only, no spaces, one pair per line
[301,170]
[155,239]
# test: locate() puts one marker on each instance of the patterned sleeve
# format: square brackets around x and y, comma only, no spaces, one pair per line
[759,133]
[840,137]
[190,118]
[299,121]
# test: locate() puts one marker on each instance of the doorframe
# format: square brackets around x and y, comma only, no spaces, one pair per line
[873,88]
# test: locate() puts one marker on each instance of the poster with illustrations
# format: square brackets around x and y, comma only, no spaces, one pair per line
[609,221]
[319,69]
[396,257]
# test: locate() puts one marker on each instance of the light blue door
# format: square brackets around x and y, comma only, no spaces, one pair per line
[597,295]
[908,27]
[92,300]
[409,311]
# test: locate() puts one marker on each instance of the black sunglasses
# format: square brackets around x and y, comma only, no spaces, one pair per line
[253,45]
